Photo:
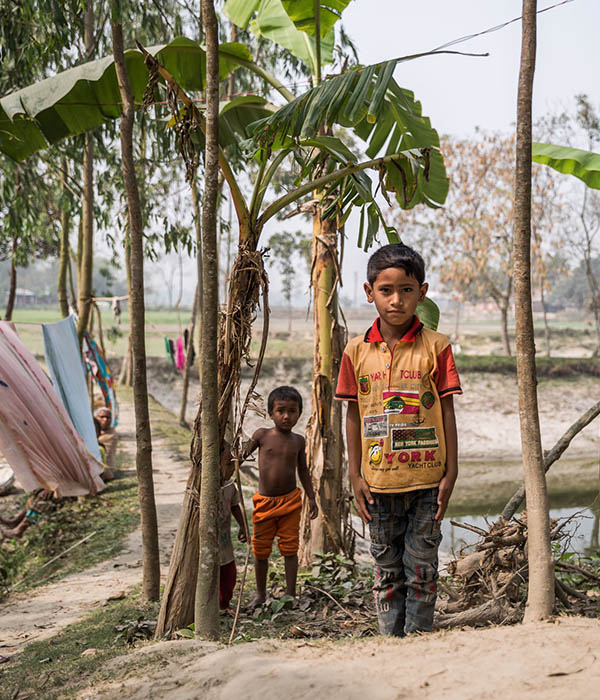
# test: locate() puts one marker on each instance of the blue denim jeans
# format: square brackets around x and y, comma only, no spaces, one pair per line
[404,543]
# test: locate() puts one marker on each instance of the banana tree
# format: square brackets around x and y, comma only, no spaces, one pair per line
[307,29]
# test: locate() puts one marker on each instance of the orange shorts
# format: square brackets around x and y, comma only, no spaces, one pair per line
[276,516]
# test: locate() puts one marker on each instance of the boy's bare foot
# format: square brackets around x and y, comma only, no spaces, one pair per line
[257,601]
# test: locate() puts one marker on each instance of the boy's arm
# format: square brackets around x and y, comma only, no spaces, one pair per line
[236,511]
[449,478]
[252,444]
[362,494]
[305,479]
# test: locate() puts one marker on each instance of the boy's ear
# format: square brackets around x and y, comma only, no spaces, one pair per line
[368,292]
[423,291]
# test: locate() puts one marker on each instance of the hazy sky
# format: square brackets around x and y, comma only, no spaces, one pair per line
[461,93]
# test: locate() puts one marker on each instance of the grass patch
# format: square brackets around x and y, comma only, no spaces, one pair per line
[112,514]
[548,367]
[55,668]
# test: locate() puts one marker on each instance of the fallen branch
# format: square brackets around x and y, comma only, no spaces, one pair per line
[577,569]
[340,606]
[552,456]
[51,561]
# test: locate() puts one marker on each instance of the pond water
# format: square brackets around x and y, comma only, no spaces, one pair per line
[582,528]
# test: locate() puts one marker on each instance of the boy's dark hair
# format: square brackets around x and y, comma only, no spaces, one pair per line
[396,255]
[284,393]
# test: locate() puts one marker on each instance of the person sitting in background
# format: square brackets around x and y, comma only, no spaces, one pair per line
[39,504]
[108,438]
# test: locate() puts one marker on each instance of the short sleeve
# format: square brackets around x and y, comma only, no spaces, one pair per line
[346,389]
[235,496]
[446,378]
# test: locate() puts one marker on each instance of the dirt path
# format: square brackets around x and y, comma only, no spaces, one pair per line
[546,660]
[41,613]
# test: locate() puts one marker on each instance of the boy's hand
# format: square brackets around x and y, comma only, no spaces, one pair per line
[312,508]
[445,491]
[362,495]
[242,537]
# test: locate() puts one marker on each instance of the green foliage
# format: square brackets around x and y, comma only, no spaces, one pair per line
[273,22]
[584,165]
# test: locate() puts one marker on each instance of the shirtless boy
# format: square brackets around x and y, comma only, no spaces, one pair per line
[278,502]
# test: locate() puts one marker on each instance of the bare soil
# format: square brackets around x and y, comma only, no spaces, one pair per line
[552,661]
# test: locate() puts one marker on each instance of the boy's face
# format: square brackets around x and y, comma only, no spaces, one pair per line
[285,414]
[396,295]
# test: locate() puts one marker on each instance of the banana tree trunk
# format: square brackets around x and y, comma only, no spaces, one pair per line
[65,224]
[143,462]
[177,605]
[324,446]
[540,598]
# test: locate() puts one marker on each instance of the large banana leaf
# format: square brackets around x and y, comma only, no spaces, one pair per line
[302,14]
[571,161]
[273,22]
[84,97]
[385,116]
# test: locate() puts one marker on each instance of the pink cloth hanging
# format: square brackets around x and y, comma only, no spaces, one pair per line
[180,354]
[37,437]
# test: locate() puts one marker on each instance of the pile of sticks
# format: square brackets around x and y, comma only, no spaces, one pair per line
[487,584]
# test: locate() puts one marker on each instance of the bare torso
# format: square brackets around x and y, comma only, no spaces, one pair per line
[278,457]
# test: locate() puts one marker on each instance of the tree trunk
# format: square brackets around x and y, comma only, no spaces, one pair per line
[324,446]
[143,462]
[540,599]
[504,327]
[206,611]
[12,285]
[65,223]
[545,315]
[188,363]
[87,209]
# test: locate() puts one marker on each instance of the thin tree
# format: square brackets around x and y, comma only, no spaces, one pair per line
[143,461]
[540,599]
[86,259]
[206,611]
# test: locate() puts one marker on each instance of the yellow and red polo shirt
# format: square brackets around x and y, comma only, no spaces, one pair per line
[398,395]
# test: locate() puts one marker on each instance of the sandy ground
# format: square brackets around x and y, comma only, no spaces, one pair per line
[41,613]
[546,660]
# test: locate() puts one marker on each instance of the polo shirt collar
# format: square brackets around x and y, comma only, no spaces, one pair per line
[373,334]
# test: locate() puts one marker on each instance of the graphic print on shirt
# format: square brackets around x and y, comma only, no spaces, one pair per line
[405,438]
[428,399]
[376,453]
[375,426]
[364,384]
[404,402]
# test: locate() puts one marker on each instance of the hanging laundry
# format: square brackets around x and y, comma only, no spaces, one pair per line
[170,351]
[98,367]
[180,355]
[37,437]
[61,348]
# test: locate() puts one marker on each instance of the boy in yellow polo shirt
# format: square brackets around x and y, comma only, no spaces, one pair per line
[399,380]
